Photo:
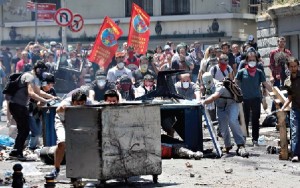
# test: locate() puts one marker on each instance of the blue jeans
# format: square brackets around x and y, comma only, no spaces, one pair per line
[229,116]
[35,132]
[295,131]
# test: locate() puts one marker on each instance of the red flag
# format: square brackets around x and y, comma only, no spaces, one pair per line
[139,31]
[106,44]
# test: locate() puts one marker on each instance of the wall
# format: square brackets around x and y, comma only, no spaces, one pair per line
[266,39]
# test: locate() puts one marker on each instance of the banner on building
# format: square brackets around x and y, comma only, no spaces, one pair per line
[106,44]
[139,31]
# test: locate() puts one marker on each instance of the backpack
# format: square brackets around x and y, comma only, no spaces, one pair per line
[13,84]
[234,90]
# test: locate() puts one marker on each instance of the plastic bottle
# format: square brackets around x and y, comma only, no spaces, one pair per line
[261,140]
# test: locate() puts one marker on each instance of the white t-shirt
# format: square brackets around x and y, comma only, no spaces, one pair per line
[114,73]
[219,75]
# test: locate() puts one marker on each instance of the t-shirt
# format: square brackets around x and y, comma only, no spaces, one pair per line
[219,75]
[206,64]
[115,73]
[188,93]
[20,65]
[21,97]
[223,102]
[250,85]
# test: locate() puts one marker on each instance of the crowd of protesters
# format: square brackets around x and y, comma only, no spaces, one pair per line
[133,75]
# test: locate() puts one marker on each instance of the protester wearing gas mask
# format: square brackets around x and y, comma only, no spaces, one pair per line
[209,84]
[227,112]
[138,75]
[146,87]
[124,87]
[117,71]
[100,86]
[250,79]
[186,88]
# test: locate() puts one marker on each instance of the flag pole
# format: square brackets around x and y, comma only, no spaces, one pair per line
[35,24]
[63,29]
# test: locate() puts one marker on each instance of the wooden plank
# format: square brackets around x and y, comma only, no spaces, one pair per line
[280,96]
[212,132]
[272,94]
[277,101]
[242,120]
[284,154]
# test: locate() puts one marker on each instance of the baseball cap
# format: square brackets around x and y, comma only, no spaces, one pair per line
[120,54]
[100,74]
[52,43]
[250,38]
[167,47]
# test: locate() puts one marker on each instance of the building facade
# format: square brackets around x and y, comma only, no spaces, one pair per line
[209,21]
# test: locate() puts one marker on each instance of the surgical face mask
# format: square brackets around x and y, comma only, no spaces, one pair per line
[185,85]
[101,83]
[252,64]
[144,67]
[121,65]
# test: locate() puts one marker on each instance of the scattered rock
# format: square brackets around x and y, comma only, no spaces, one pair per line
[188,165]
[199,176]
[255,168]
[284,164]
[192,175]
[228,170]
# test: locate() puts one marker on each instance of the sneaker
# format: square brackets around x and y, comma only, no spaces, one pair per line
[241,151]
[295,159]
[54,173]
[255,143]
[15,156]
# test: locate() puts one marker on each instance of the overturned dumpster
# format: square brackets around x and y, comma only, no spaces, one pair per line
[109,142]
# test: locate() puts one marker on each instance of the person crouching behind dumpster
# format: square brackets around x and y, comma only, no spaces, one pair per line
[111,97]
[146,87]
[35,113]
[227,112]
[78,98]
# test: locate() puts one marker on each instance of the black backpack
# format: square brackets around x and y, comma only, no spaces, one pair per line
[234,90]
[13,84]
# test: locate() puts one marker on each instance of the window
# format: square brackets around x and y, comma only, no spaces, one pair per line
[253,6]
[147,5]
[57,2]
[175,7]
